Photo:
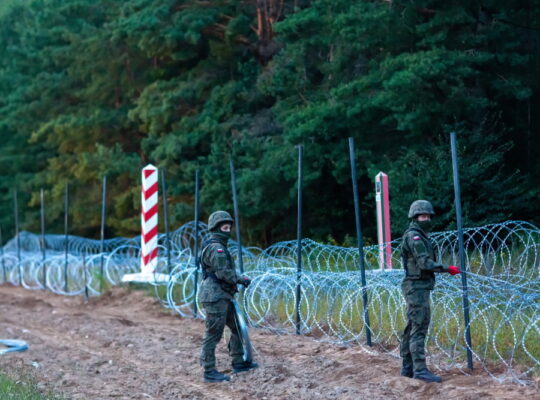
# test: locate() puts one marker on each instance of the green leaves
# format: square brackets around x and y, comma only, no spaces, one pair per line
[89,88]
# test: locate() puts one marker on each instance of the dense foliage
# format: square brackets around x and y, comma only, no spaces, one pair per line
[102,87]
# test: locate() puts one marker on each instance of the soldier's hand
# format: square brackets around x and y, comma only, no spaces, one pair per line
[245,281]
[453,270]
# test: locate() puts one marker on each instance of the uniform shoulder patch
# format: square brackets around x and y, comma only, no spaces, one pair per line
[220,249]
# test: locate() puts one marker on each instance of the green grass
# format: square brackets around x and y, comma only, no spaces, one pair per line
[23,389]
[495,330]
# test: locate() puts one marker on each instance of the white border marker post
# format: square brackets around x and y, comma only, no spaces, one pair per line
[384,236]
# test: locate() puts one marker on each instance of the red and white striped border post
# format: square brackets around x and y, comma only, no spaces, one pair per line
[149,219]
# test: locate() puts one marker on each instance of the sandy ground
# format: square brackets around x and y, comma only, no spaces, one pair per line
[126,346]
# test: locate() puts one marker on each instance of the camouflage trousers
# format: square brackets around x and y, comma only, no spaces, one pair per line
[413,340]
[219,314]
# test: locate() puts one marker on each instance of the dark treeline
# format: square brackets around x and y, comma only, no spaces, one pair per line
[102,87]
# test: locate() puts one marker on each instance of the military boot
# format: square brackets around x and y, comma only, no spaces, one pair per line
[427,376]
[407,371]
[244,366]
[215,376]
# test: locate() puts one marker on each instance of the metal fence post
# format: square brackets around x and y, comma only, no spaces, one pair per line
[85,275]
[299,238]
[463,266]
[66,239]
[102,232]
[42,241]
[236,217]
[196,250]
[2,255]
[166,221]
[360,239]
[17,236]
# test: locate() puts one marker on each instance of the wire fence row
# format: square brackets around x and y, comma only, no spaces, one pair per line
[503,261]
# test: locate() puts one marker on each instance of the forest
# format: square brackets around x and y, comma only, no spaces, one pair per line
[90,88]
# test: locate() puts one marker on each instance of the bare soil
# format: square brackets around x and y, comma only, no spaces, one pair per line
[124,345]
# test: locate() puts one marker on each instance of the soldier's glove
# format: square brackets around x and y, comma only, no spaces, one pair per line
[453,270]
[245,281]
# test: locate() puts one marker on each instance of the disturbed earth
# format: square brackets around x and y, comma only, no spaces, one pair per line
[124,345]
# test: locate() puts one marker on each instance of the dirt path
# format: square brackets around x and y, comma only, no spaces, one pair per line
[125,346]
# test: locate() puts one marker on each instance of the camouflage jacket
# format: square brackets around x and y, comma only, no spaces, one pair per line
[419,261]
[220,271]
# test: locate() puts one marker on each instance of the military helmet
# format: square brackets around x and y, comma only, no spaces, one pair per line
[420,207]
[218,217]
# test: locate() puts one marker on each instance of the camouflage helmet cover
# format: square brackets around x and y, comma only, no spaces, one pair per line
[420,207]
[218,217]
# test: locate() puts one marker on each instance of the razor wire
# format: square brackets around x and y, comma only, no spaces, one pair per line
[503,261]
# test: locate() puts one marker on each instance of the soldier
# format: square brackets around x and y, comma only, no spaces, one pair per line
[217,291]
[420,265]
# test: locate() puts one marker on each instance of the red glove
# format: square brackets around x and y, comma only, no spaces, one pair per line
[245,281]
[453,270]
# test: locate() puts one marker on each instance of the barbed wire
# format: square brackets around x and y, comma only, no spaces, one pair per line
[503,261]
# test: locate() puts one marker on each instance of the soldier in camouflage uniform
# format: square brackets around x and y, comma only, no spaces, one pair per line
[420,265]
[217,291]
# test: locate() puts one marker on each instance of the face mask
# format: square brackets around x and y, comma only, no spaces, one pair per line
[224,235]
[425,225]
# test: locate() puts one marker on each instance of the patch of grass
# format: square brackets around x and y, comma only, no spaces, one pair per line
[11,389]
